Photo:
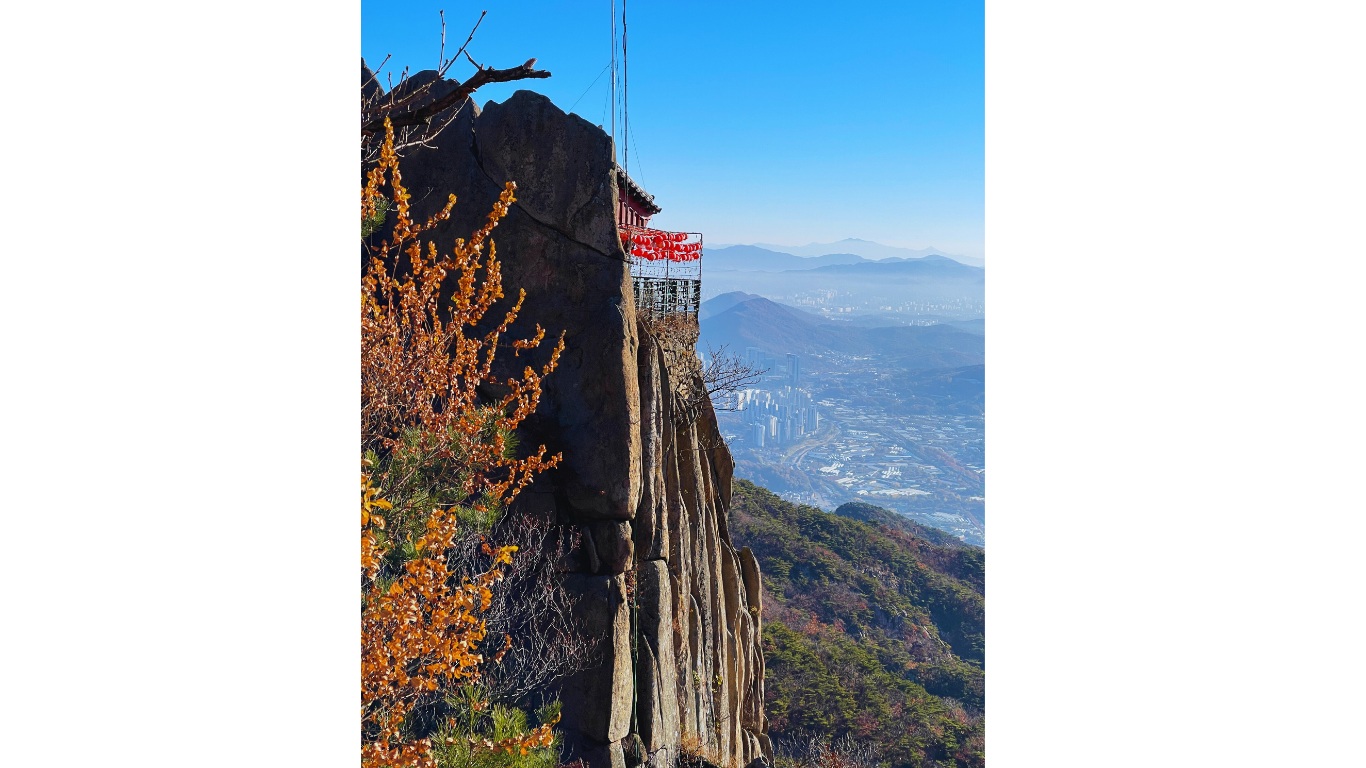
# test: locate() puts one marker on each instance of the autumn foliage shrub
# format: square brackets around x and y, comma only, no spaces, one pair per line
[438,456]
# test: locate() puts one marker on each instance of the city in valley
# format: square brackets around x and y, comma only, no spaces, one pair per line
[870,378]
[824,429]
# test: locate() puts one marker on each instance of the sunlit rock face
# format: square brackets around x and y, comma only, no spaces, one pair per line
[645,479]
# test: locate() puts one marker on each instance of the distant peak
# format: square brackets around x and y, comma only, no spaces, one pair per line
[737,295]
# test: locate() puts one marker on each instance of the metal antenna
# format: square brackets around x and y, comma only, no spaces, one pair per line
[614,81]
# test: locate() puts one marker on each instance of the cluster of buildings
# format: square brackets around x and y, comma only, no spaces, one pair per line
[779,416]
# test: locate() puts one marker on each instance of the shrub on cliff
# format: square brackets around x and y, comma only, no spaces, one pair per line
[437,458]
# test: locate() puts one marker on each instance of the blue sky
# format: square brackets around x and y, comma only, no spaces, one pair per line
[756,121]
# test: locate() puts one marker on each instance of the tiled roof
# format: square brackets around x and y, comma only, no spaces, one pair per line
[634,190]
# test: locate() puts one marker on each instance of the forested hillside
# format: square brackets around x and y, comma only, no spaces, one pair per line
[873,630]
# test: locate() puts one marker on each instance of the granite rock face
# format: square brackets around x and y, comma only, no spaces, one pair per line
[671,605]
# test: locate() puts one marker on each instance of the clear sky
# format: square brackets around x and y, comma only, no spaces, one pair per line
[757,121]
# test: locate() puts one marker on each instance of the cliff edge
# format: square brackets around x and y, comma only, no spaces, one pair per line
[646,479]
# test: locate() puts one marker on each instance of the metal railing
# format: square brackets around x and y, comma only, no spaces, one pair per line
[665,286]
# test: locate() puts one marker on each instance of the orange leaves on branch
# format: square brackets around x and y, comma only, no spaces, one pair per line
[538,738]
[419,368]
[419,635]
[369,523]
[369,502]
[421,379]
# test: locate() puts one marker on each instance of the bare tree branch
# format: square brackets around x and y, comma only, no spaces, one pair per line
[441,55]
[420,115]
[725,374]
[446,63]
[531,607]
[417,114]
[374,76]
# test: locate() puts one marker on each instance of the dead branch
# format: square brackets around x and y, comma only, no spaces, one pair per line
[374,76]
[725,374]
[374,122]
[441,55]
[445,63]
[417,114]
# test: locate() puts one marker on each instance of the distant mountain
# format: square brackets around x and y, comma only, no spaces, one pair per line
[864,248]
[756,321]
[859,510]
[971,326]
[873,628]
[912,289]
[725,301]
[925,267]
[749,258]
[776,328]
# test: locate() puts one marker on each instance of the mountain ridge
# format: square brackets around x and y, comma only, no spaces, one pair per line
[779,328]
[866,249]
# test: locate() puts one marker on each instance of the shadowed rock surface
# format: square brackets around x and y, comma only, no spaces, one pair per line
[645,477]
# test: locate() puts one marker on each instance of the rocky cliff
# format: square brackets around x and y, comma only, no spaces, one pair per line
[645,479]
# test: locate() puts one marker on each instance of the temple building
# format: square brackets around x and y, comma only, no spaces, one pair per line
[666,267]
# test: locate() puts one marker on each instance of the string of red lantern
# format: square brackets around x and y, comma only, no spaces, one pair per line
[657,245]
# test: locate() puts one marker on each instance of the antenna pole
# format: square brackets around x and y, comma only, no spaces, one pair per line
[614,81]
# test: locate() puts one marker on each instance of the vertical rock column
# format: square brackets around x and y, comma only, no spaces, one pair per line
[706,696]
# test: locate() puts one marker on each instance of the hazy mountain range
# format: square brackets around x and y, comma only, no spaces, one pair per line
[854,246]
[741,320]
[752,258]
[895,290]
